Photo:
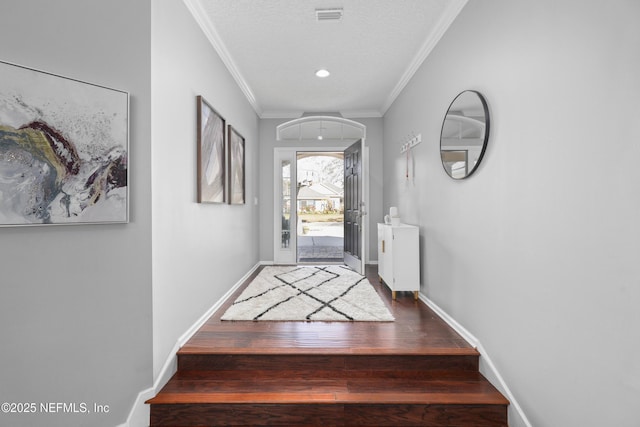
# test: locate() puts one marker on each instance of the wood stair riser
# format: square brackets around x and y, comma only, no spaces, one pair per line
[323,415]
[398,365]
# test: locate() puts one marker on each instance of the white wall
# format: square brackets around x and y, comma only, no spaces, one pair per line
[537,253]
[267,143]
[75,301]
[199,250]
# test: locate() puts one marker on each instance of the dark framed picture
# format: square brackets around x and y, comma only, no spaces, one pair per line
[64,150]
[236,167]
[211,154]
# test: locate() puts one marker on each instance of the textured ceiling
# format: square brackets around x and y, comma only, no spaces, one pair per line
[274,47]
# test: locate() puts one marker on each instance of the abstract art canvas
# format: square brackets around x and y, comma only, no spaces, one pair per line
[63,150]
[236,167]
[211,154]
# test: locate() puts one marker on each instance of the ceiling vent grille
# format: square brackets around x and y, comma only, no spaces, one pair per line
[326,15]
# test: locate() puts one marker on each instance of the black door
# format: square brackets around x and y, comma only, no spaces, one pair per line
[353,206]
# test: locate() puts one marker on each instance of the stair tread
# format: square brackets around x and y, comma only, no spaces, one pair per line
[322,374]
[329,390]
[421,351]
[426,398]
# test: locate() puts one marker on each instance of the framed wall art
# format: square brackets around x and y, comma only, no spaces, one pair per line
[236,167]
[211,154]
[64,150]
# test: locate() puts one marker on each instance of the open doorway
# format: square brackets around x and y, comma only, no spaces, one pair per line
[320,207]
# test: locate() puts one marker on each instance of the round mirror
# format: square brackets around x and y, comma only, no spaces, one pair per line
[464,135]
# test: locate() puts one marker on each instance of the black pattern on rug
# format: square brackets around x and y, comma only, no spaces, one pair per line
[308,293]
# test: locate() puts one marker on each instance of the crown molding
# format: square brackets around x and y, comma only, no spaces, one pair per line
[200,15]
[361,114]
[447,18]
[276,114]
[347,114]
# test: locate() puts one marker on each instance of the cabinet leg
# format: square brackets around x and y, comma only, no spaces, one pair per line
[415,295]
[393,295]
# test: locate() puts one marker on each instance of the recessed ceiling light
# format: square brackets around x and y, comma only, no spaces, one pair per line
[322,73]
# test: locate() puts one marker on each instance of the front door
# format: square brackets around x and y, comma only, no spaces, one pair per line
[353,207]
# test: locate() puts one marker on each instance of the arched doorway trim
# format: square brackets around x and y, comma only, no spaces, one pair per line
[320,127]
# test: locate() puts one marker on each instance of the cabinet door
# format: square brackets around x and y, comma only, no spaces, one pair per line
[388,256]
[381,249]
[406,259]
[385,256]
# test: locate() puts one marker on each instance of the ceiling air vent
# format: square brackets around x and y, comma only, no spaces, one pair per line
[326,15]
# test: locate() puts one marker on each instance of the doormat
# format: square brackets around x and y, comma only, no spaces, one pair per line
[332,293]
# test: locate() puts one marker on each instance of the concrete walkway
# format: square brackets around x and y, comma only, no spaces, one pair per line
[322,242]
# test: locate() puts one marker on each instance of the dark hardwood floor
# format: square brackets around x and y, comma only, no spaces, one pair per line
[415,371]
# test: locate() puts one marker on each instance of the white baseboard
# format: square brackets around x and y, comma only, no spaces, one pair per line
[139,414]
[517,417]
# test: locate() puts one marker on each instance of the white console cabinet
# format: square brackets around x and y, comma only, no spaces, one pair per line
[399,257]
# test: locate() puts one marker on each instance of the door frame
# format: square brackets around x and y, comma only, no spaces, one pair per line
[289,255]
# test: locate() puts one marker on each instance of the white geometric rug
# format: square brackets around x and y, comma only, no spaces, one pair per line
[309,293]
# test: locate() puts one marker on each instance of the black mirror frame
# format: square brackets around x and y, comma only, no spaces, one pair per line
[487,121]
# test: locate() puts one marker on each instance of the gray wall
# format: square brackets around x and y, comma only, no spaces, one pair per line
[75,301]
[537,253]
[199,250]
[268,143]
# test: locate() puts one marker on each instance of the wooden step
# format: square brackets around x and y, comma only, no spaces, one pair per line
[208,387]
[327,397]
